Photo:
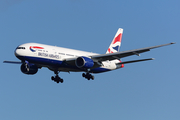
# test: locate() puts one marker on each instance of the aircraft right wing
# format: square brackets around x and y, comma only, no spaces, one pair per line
[13,62]
[118,55]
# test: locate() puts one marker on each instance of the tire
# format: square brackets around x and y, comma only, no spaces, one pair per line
[83,74]
[61,80]
[52,78]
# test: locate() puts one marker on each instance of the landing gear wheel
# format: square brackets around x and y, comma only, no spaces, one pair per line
[52,78]
[92,77]
[83,74]
[61,80]
[88,76]
[57,79]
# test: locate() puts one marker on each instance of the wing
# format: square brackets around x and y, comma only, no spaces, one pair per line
[118,55]
[13,62]
[112,56]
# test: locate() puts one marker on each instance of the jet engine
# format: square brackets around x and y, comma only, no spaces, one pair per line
[29,68]
[84,62]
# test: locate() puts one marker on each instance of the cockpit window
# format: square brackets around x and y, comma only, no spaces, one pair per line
[20,48]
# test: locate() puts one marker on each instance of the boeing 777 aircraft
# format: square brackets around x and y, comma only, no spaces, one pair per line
[34,56]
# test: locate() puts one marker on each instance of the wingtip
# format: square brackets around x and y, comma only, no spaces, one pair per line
[4,61]
[173,43]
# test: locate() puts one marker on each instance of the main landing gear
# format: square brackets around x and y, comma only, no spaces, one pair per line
[88,76]
[57,79]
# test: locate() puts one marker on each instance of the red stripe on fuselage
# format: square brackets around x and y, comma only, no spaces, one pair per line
[36,47]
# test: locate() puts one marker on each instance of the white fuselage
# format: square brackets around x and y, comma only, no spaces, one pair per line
[53,57]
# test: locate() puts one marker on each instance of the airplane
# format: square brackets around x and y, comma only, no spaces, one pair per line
[34,56]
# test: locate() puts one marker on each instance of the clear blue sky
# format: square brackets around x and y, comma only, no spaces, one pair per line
[140,91]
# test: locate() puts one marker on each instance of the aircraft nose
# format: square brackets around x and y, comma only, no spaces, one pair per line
[19,51]
[16,53]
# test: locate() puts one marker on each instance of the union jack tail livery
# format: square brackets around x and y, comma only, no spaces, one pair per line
[116,43]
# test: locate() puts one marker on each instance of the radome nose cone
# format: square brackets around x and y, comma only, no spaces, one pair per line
[16,53]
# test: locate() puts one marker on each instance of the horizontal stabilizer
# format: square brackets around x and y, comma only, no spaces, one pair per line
[13,62]
[134,61]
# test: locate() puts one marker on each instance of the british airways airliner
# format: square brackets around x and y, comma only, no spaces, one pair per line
[34,56]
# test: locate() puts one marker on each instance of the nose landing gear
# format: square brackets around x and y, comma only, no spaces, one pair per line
[57,79]
[88,76]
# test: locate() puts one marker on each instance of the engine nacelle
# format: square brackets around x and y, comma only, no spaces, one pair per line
[29,68]
[84,62]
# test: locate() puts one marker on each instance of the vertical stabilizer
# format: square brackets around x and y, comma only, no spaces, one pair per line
[116,43]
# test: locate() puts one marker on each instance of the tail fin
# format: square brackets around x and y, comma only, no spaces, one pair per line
[116,43]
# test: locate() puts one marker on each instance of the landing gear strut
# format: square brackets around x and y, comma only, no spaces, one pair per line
[88,76]
[57,79]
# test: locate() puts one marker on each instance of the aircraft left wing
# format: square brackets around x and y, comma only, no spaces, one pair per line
[118,55]
[112,56]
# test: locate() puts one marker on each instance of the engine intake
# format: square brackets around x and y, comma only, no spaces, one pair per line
[29,68]
[84,62]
